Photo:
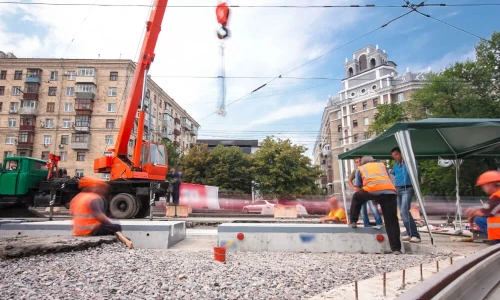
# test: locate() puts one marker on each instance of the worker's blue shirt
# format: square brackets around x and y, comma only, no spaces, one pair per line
[401,177]
[358,182]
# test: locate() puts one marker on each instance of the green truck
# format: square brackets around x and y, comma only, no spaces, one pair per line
[23,182]
[29,182]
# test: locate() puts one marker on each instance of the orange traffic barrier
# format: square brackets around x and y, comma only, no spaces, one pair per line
[220,254]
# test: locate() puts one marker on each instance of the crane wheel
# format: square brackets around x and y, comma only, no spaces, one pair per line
[123,206]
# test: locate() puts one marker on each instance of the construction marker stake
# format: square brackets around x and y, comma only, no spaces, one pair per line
[437,266]
[421,273]
[451,260]
[384,286]
[356,288]
[404,275]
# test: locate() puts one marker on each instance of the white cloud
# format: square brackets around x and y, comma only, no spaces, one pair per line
[290,112]
[446,61]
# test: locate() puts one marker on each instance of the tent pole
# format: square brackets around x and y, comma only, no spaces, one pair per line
[342,184]
[404,142]
[458,212]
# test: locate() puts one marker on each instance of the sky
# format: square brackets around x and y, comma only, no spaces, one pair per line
[264,43]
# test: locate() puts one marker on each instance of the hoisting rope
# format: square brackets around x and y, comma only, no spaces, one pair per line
[222,13]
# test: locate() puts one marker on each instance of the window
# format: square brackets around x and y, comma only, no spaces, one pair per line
[367,121]
[365,105]
[80,156]
[339,128]
[363,91]
[375,102]
[24,137]
[68,107]
[10,140]
[112,92]
[111,107]
[401,97]
[355,123]
[340,142]
[51,106]
[71,75]
[353,108]
[7,154]
[110,123]
[16,90]
[70,91]
[12,123]
[113,76]
[2,90]
[131,143]
[18,75]
[47,139]
[63,155]
[54,75]
[355,137]
[339,114]
[109,139]
[64,139]
[82,121]
[79,173]
[14,106]
[105,176]
[108,153]
[366,135]
[80,138]
[1,106]
[49,123]
[154,99]
[374,87]
[154,112]
[85,88]
[3,75]
[87,72]
[148,93]
[66,123]
[52,91]
[45,155]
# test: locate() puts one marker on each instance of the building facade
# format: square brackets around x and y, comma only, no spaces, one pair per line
[74,108]
[247,146]
[370,79]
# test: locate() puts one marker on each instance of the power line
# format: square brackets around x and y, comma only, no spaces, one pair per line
[252,6]
[314,59]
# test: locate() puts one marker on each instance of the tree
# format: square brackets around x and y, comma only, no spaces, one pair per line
[194,165]
[282,168]
[230,169]
[387,115]
[173,155]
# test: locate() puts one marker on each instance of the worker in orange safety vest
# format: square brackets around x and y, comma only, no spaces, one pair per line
[487,218]
[87,209]
[372,182]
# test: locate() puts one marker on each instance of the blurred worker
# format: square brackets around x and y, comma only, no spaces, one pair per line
[175,178]
[87,209]
[372,182]
[405,191]
[337,214]
[373,206]
[12,165]
[488,217]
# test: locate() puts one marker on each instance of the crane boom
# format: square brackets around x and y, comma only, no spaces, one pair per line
[146,57]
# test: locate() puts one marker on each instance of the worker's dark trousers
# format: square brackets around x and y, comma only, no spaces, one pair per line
[107,229]
[389,205]
[176,193]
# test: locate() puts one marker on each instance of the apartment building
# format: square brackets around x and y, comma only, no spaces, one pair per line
[74,108]
[370,79]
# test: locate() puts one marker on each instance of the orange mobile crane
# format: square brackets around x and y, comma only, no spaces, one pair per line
[138,182]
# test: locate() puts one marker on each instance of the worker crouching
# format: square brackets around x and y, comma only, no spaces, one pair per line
[488,217]
[87,209]
[336,215]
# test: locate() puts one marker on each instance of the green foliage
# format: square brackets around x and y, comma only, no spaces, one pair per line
[465,90]
[387,115]
[282,168]
[173,155]
[194,165]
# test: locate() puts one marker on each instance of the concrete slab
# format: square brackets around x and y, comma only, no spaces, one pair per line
[302,238]
[144,234]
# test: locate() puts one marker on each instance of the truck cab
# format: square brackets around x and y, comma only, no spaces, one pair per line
[20,178]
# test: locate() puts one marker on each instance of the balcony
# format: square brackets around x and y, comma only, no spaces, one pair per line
[177,121]
[29,111]
[167,135]
[86,79]
[194,130]
[90,95]
[26,128]
[84,106]
[25,145]
[80,145]
[186,124]
[177,129]
[34,76]
[81,126]
[30,95]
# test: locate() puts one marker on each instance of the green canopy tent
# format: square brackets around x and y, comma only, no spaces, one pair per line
[454,139]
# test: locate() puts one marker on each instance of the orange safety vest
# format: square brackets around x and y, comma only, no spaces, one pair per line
[84,221]
[375,177]
[494,222]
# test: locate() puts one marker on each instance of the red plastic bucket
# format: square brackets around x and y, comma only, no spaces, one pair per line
[220,254]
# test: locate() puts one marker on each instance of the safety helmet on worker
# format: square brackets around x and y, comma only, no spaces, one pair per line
[87,182]
[488,177]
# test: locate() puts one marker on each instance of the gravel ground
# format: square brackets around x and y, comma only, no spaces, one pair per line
[114,272]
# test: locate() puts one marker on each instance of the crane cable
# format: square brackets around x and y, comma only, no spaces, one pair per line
[222,13]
